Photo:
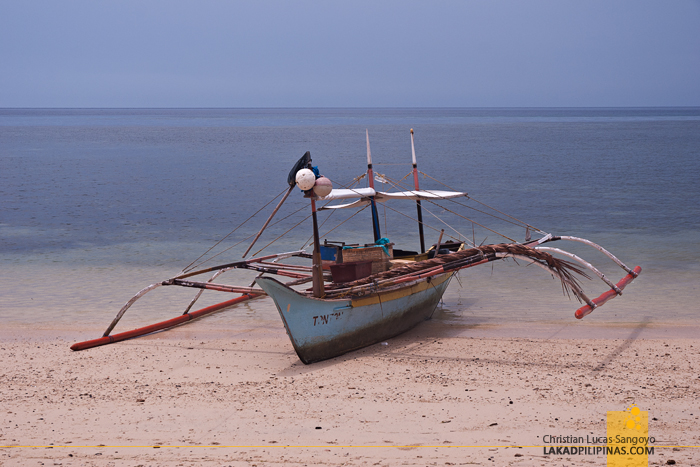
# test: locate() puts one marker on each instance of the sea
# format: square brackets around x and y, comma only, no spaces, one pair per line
[96,204]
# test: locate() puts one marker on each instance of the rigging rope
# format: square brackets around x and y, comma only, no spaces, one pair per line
[190,266]
[356,213]
[463,217]
[467,218]
[247,238]
[395,184]
[427,225]
[523,223]
[354,181]
[285,233]
[357,179]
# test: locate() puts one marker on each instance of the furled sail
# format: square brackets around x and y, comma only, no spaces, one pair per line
[347,193]
[380,196]
[421,194]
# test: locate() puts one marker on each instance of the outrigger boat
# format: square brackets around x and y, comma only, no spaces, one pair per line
[373,292]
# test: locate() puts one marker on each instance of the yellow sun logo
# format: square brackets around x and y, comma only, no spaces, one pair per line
[634,419]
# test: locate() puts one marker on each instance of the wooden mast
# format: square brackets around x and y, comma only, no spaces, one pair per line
[318,289]
[317,270]
[370,176]
[418,205]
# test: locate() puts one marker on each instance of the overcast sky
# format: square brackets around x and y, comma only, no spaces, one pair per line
[347,53]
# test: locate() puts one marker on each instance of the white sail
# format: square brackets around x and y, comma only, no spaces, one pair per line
[346,193]
[364,193]
[419,194]
[355,204]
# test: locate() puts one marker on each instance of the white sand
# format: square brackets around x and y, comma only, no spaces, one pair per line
[434,396]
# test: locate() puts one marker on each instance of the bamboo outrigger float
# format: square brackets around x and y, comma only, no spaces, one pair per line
[338,315]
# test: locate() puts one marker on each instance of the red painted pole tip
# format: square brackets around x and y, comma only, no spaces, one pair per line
[608,295]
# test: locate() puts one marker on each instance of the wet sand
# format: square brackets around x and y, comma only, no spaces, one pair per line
[438,395]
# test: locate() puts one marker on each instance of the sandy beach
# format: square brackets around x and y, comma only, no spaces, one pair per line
[99,203]
[437,395]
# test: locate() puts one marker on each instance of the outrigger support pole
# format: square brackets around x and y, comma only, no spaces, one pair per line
[108,339]
[128,304]
[608,295]
[599,248]
[237,264]
[201,291]
[418,205]
[615,289]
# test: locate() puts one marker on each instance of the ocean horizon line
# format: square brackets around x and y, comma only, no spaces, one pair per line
[639,107]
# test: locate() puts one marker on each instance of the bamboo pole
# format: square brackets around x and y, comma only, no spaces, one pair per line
[239,264]
[437,248]
[107,339]
[279,205]
[294,267]
[418,205]
[212,286]
[199,294]
[608,295]
[128,304]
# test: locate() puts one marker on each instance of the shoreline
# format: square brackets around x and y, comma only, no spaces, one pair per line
[572,330]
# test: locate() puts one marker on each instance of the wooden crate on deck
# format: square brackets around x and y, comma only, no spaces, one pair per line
[380,260]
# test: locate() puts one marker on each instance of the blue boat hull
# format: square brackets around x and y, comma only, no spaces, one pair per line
[320,328]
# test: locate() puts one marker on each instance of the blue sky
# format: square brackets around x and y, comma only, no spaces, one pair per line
[217,53]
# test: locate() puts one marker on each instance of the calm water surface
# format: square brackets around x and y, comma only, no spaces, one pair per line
[97,203]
